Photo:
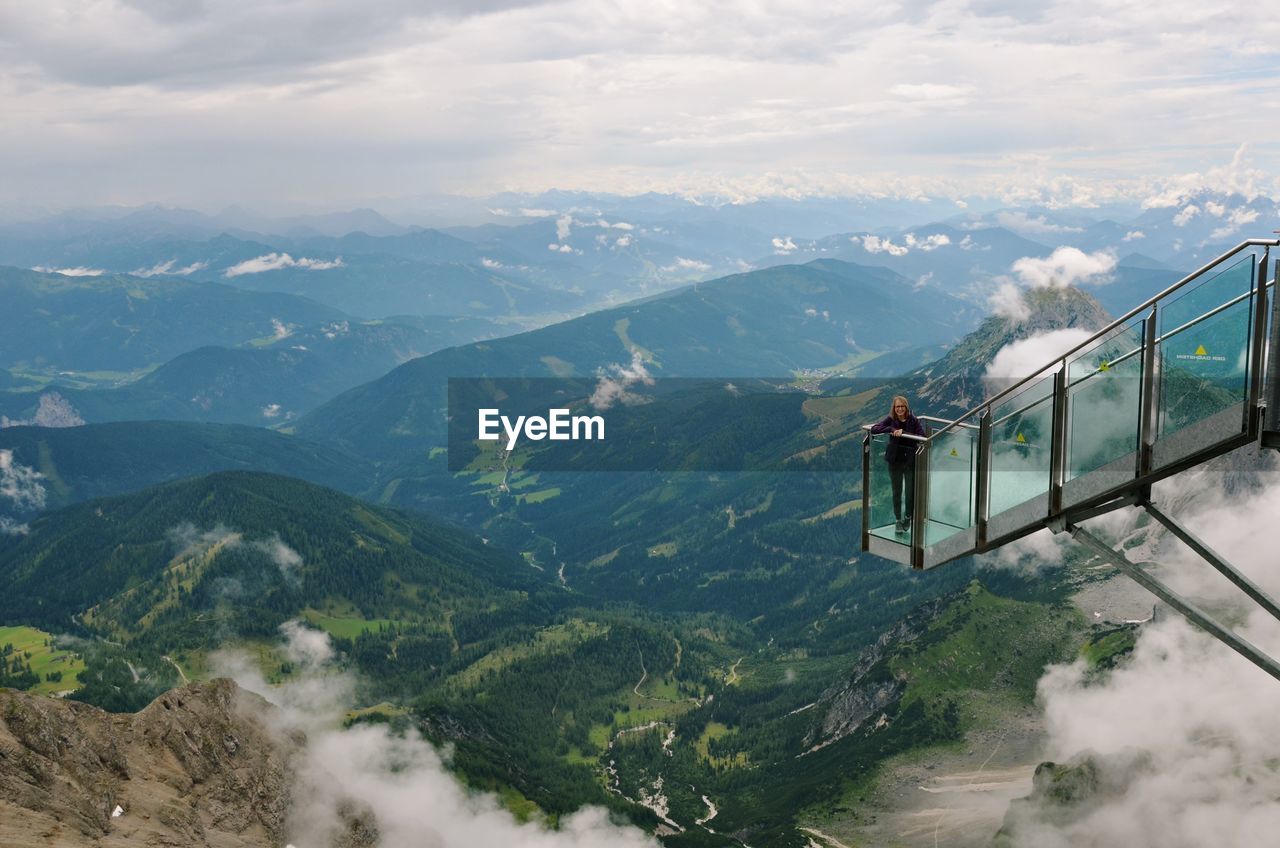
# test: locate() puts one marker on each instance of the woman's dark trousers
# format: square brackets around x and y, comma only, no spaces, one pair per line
[897,475]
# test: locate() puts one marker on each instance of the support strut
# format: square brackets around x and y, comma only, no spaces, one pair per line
[1194,614]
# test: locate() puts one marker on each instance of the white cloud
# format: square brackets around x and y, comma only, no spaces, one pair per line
[1185,215]
[277,261]
[623,241]
[561,248]
[400,781]
[683,264]
[523,212]
[1007,301]
[927,243]
[613,384]
[1030,355]
[53,410]
[1134,235]
[931,91]
[271,410]
[491,264]
[1182,732]
[79,271]
[564,226]
[20,484]
[1237,219]
[9,527]
[783,245]
[1066,266]
[167,268]
[874,244]
[1019,221]
[279,330]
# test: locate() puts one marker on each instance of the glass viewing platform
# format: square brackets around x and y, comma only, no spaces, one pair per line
[1177,381]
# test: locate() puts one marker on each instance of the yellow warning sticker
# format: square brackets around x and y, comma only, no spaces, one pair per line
[1201,355]
[1022,440]
[953,452]
[1105,366]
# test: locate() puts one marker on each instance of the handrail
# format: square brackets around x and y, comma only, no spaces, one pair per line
[867,427]
[1122,320]
[1240,298]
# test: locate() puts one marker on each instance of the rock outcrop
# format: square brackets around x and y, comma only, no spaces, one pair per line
[200,766]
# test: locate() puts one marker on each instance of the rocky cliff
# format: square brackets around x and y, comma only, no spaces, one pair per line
[199,766]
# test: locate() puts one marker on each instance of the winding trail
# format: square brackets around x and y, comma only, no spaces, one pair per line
[181,673]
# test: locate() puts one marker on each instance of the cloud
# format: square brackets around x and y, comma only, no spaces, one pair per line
[523,212]
[1019,221]
[79,271]
[1027,356]
[1134,235]
[562,248]
[277,261]
[9,527]
[398,781]
[53,410]
[683,264]
[613,384]
[927,243]
[1007,301]
[1184,217]
[167,268]
[1239,176]
[20,484]
[1182,732]
[491,264]
[1237,219]
[284,557]
[271,410]
[191,541]
[1066,266]
[279,330]
[783,246]
[564,226]
[874,244]
[931,92]
[623,241]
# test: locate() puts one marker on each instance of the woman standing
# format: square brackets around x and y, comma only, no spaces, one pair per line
[901,457]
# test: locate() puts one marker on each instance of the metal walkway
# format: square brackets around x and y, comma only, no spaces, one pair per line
[1177,381]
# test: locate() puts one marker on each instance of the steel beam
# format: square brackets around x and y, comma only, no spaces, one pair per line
[1212,557]
[1194,614]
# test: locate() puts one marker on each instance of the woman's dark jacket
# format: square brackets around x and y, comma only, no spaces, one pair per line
[900,451]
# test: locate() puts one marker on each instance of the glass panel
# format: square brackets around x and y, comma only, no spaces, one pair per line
[1204,360]
[889,516]
[1188,304]
[1021,446]
[1204,368]
[952,466]
[1104,401]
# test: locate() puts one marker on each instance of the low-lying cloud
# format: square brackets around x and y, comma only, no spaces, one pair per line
[278,261]
[1182,733]
[167,269]
[20,484]
[1027,356]
[613,384]
[53,410]
[398,784]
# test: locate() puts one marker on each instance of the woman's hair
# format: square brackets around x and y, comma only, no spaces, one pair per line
[896,399]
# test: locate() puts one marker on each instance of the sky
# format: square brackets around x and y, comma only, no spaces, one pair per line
[323,104]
